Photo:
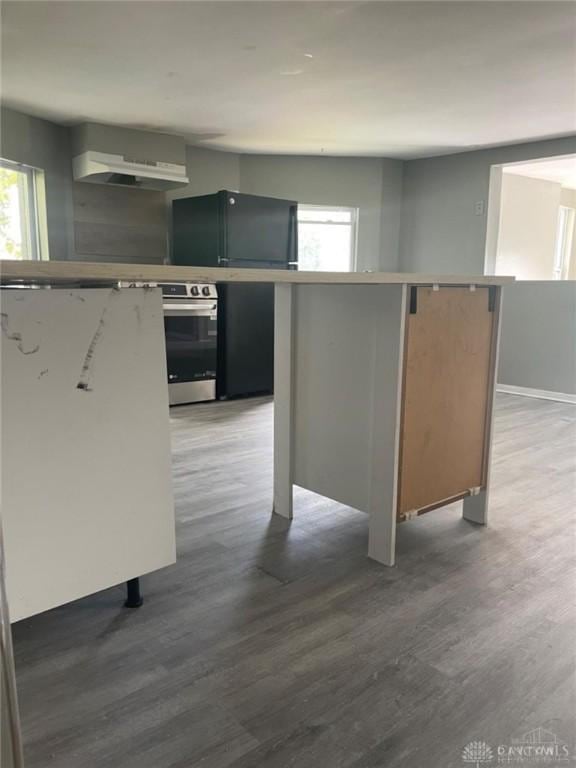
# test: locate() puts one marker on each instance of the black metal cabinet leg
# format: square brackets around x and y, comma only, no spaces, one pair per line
[134,597]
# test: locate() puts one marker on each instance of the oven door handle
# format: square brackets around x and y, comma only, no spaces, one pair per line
[196,310]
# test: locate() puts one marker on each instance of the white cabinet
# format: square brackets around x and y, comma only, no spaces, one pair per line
[86,469]
[383,399]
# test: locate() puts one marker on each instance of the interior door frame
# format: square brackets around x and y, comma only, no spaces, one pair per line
[494,208]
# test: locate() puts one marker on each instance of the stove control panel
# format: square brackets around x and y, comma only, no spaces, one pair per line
[189,290]
[177,290]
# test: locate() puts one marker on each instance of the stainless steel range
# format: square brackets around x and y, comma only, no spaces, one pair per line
[190,324]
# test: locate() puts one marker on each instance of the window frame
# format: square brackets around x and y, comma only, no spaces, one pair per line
[34,227]
[563,246]
[352,224]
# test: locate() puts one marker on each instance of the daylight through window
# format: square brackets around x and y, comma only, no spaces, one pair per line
[326,238]
[564,235]
[22,217]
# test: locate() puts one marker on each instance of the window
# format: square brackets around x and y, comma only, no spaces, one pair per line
[564,235]
[326,238]
[22,212]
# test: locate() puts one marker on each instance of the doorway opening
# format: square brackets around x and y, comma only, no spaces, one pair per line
[531,220]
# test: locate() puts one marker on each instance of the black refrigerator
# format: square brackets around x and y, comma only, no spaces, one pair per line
[230,229]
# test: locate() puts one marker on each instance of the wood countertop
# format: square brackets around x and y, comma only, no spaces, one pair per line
[86,273]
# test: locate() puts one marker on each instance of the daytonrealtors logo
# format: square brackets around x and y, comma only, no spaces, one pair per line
[537,747]
[478,753]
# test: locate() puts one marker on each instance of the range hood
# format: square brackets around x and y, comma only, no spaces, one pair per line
[106,154]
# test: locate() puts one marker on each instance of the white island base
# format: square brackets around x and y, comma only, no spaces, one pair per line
[86,466]
[384,399]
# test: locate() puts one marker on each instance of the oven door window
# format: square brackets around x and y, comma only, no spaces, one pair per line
[190,347]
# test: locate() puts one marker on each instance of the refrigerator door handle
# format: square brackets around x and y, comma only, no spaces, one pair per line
[293,237]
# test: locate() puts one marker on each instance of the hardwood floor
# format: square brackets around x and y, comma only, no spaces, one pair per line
[274,644]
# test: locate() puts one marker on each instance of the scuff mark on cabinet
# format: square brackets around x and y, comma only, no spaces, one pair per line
[87,365]
[16,336]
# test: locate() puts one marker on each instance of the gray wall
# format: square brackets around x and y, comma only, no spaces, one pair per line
[371,184]
[83,224]
[85,221]
[44,145]
[416,216]
[391,209]
[538,343]
[440,231]
[208,172]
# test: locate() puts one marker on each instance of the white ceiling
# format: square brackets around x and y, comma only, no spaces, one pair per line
[398,79]
[562,170]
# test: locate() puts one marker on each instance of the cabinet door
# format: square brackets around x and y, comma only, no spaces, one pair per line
[448,379]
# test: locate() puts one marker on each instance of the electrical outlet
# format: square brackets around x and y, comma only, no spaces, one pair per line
[479,208]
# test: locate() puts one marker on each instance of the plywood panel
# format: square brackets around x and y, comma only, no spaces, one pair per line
[446,389]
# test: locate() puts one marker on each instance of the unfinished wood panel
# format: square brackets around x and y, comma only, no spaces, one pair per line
[446,389]
[119,224]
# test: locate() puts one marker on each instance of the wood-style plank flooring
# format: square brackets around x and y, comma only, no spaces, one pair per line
[281,645]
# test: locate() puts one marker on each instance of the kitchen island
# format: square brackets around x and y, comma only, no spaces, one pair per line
[383,401]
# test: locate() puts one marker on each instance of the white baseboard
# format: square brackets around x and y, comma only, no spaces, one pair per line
[542,394]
